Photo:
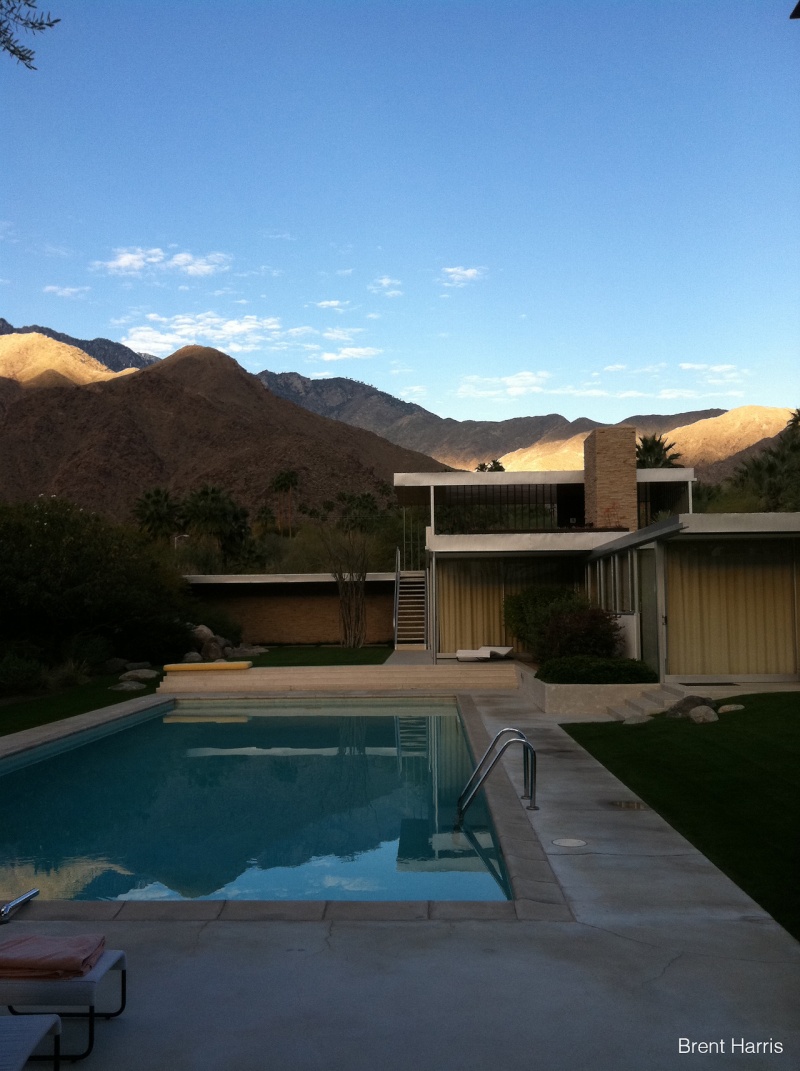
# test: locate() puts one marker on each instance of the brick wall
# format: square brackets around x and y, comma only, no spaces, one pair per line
[280,614]
[609,461]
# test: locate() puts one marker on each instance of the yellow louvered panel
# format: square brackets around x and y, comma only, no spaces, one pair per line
[731,608]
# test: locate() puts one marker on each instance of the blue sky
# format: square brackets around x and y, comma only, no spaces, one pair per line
[492,207]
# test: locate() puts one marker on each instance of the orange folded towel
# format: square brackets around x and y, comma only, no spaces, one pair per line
[36,956]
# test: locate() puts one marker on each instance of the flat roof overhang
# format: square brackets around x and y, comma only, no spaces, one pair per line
[707,526]
[275,578]
[558,542]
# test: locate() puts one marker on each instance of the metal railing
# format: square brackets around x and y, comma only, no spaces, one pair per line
[396,594]
[482,771]
[7,910]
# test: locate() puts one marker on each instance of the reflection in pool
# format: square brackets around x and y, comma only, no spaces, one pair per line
[255,801]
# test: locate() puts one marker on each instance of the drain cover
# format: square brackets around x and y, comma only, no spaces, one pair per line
[569,842]
[630,805]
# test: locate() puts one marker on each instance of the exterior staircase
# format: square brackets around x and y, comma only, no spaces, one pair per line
[653,701]
[412,612]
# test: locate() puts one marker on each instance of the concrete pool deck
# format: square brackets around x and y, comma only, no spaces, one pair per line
[648,943]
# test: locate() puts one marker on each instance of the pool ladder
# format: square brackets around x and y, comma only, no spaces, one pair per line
[482,771]
[7,910]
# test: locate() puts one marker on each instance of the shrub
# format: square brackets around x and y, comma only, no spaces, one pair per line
[583,669]
[558,622]
[68,575]
[19,675]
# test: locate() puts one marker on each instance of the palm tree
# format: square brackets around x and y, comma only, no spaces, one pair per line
[211,512]
[284,484]
[490,466]
[654,452]
[158,513]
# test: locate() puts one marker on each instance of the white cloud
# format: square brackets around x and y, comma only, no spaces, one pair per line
[345,271]
[67,291]
[615,368]
[412,394]
[373,316]
[136,260]
[341,334]
[351,353]
[386,286]
[163,334]
[320,375]
[337,306]
[457,277]
[298,332]
[281,236]
[512,386]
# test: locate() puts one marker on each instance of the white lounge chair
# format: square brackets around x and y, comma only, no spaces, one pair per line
[78,992]
[484,654]
[19,1036]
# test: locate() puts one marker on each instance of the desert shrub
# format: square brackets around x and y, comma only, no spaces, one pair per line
[19,675]
[584,669]
[558,622]
[67,674]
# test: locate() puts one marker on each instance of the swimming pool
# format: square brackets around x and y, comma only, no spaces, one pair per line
[254,800]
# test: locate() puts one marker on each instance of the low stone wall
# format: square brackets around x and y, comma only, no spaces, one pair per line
[581,698]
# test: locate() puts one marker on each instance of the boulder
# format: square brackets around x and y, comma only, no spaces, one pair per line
[137,665]
[192,656]
[702,714]
[115,665]
[682,708]
[210,651]
[202,633]
[139,675]
[247,650]
[728,708]
[128,686]
[637,719]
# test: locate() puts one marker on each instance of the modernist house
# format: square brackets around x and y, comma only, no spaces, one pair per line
[700,596]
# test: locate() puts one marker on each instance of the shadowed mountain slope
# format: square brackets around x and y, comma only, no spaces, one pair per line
[196,417]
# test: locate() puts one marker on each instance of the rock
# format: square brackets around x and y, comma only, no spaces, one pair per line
[137,665]
[211,651]
[192,656]
[115,665]
[227,652]
[128,686]
[140,675]
[637,719]
[728,708]
[202,633]
[220,659]
[702,714]
[246,650]
[682,708]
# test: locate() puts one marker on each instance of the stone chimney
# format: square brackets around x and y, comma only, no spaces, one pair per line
[609,473]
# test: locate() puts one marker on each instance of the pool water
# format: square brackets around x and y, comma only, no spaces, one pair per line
[255,800]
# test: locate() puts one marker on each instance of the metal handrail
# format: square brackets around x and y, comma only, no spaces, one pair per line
[529,774]
[476,772]
[396,593]
[7,910]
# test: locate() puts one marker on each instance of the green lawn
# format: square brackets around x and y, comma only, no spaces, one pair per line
[42,709]
[323,656]
[732,788]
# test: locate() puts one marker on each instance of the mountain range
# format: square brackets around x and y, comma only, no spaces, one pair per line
[83,419]
[196,417]
[113,355]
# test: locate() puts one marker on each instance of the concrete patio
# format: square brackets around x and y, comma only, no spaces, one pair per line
[646,943]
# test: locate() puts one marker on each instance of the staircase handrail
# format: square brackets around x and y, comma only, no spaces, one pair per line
[396,612]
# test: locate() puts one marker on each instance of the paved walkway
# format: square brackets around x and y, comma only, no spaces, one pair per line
[658,945]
